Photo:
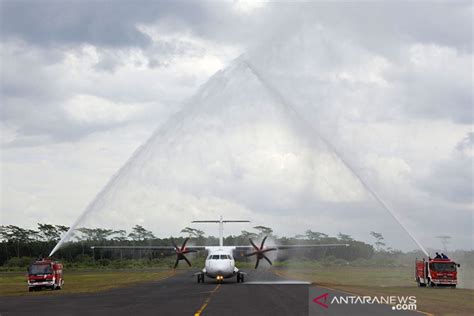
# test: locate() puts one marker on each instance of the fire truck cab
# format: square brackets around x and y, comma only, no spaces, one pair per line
[45,273]
[436,272]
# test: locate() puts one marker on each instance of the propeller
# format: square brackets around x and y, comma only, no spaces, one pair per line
[181,251]
[260,252]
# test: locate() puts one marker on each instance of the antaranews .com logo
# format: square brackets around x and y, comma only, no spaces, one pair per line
[400,303]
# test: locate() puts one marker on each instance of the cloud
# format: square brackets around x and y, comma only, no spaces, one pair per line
[389,84]
[338,78]
[451,178]
[53,182]
[435,83]
[43,102]
[381,26]
[100,23]
[86,109]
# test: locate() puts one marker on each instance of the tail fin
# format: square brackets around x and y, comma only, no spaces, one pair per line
[221,226]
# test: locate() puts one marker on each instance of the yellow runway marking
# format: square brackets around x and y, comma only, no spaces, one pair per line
[208,299]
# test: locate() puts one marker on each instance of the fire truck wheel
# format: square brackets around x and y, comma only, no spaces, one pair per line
[419,283]
[453,286]
[30,289]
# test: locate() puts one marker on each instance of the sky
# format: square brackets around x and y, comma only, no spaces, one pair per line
[388,85]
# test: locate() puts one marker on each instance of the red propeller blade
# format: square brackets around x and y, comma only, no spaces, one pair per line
[184,244]
[181,251]
[268,260]
[259,252]
[269,249]
[263,242]
[253,244]
[186,259]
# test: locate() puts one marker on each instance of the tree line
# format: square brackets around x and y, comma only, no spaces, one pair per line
[22,242]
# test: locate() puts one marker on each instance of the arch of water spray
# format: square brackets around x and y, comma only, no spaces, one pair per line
[177,121]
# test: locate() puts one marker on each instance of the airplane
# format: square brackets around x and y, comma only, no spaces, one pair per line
[220,262]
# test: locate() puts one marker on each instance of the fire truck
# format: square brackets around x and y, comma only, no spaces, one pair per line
[45,273]
[436,272]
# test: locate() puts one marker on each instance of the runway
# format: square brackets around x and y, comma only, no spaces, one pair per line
[181,295]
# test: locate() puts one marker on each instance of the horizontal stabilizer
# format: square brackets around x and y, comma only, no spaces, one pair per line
[223,221]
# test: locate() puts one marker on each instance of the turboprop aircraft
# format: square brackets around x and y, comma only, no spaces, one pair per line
[220,262]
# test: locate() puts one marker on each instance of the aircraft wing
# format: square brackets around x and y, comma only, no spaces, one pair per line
[148,247]
[311,246]
[260,251]
[295,246]
[204,247]
[180,251]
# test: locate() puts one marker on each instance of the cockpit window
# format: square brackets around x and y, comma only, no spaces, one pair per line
[221,257]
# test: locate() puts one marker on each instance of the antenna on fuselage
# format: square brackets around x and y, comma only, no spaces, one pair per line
[221,222]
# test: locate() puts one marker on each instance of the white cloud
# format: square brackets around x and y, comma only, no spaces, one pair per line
[88,109]
[394,96]
[248,6]
[54,182]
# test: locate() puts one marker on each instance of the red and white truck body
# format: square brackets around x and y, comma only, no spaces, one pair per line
[436,272]
[45,273]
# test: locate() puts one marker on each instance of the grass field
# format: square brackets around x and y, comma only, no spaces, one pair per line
[82,281]
[357,280]
[388,281]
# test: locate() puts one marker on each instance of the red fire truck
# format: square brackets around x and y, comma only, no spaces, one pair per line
[45,273]
[436,272]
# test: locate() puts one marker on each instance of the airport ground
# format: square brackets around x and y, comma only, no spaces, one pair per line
[355,280]
[389,281]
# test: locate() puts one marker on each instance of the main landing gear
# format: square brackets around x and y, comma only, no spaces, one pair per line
[240,278]
[200,278]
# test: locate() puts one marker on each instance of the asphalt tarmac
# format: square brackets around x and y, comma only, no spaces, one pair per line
[263,293]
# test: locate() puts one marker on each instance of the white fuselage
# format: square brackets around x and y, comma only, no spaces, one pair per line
[220,262]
